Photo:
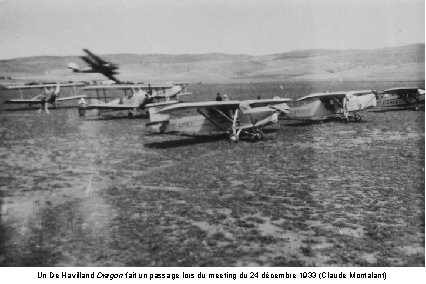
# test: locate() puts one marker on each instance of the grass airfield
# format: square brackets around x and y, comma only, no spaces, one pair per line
[78,192]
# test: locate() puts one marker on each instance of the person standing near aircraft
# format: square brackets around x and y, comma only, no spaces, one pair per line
[43,104]
[225,97]
[218,97]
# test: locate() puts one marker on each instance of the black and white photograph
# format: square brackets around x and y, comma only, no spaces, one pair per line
[220,133]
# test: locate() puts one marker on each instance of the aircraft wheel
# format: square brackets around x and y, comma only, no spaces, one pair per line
[130,115]
[233,138]
[357,117]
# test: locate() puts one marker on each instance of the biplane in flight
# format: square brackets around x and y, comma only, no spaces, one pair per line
[333,105]
[136,99]
[232,118]
[402,97]
[96,65]
[50,95]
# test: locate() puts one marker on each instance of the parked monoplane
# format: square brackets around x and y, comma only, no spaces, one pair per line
[404,97]
[96,65]
[50,95]
[232,118]
[135,100]
[340,105]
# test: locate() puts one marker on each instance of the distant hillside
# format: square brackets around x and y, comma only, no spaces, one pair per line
[395,63]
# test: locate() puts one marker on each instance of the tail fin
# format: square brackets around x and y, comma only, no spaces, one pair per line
[74,67]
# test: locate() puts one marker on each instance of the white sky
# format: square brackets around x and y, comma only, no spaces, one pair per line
[60,27]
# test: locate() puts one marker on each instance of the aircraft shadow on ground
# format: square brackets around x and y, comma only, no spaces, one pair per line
[182,142]
[36,108]
[393,110]
[112,118]
[203,139]
[313,122]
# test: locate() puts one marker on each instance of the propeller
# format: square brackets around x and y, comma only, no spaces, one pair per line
[149,89]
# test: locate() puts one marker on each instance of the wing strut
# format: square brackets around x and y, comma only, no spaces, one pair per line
[213,122]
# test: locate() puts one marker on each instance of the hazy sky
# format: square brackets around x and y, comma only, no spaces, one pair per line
[59,27]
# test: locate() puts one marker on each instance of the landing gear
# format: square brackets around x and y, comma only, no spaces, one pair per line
[130,115]
[81,111]
[258,134]
[353,117]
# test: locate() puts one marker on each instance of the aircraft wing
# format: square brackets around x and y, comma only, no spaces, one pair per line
[93,56]
[129,87]
[205,105]
[41,86]
[324,95]
[114,105]
[266,102]
[26,102]
[111,77]
[70,98]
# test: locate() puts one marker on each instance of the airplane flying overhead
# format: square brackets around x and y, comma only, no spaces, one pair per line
[232,118]
[50,94]
[96,65]
[402,97]
[341,105]
[141,97]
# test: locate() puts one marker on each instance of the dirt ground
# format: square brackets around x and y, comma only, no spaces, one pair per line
[78,192]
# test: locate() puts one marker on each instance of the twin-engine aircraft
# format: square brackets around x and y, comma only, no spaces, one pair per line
[231,118]
[135,103]
[335,105]
[403,97]
[50,94]
[96,65]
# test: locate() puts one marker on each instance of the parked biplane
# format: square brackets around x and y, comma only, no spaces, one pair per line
[135,100]
[404,97]
[96,65]
[335,105]
[50,95]
[231,118]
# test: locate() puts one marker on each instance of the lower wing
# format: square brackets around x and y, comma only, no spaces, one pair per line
[26,102]
[112,106]
[70,98]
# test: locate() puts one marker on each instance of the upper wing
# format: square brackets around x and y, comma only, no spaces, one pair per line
[324,95]
[93,56]
[129,87]
[267,102]
[205,105]
[41,86]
